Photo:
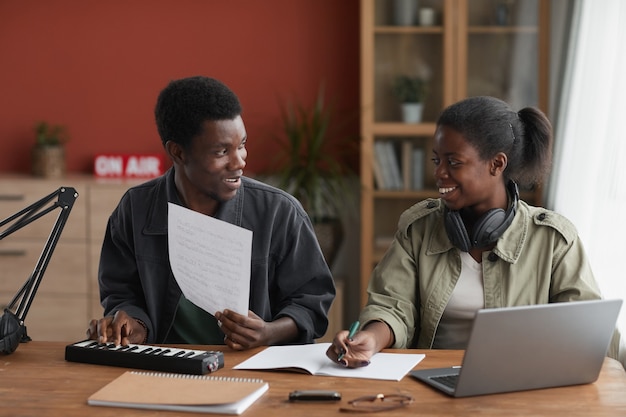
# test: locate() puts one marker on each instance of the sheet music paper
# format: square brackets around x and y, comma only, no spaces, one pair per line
[210,260]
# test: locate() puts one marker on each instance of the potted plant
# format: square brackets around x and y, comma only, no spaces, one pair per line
[311,166]
[410,92]
[48,155]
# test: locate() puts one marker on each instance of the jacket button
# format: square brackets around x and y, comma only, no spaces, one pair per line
[492,257]
[541,217]
[431,204]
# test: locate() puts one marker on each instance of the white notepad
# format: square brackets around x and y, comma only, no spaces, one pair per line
[312,359]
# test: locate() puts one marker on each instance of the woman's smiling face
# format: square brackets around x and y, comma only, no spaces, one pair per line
[464,179]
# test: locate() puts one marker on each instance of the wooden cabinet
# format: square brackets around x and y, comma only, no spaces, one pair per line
[68,295]
[104,195]
[474,47]
[60,303]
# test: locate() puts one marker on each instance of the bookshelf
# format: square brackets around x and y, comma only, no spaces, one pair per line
[475,47]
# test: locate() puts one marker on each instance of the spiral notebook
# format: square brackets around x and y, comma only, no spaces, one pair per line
[180,392]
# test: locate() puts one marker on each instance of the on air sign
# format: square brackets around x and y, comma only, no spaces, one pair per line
[128,166]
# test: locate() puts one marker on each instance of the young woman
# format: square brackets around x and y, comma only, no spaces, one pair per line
[478,245]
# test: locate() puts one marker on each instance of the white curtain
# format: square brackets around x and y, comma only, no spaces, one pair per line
[588,185]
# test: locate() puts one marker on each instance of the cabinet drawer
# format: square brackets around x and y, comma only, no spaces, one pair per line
[94,307]
[66,273]
[103,198]
[54,317]
[16,195]
[94,262]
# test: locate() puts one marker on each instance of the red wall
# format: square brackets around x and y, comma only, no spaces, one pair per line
[98,66]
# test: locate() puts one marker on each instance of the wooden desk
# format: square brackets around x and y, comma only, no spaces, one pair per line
[36,380]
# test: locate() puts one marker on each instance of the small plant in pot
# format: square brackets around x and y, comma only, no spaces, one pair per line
[410,92]
[311,166]
[48,155]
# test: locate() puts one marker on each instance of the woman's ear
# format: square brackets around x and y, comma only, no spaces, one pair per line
[175,151]
[499,163]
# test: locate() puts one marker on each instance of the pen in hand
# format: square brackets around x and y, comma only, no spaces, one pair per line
[353,329]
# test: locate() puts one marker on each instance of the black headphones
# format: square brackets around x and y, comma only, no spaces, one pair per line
[488,228]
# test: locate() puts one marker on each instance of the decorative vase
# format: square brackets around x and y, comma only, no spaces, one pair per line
[48,161]
[412,112]
[404,12]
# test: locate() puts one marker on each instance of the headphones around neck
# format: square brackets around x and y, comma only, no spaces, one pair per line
[488,228]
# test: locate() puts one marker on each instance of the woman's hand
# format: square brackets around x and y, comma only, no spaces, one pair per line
[356,352]
[353,353]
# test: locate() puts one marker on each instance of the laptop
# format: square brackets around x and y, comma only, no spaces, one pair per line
[530,347]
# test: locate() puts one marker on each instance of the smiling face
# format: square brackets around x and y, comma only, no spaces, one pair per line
[209,172]
[464,180]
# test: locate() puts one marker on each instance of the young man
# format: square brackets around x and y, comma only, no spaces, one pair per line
[291,287]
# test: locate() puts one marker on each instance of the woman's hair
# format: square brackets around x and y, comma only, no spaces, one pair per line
[491,126]
[185,104]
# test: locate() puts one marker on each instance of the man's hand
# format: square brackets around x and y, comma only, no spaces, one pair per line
[120,329]
[246,332]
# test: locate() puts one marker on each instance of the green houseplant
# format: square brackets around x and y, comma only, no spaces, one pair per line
[50,135]
[311,166]
[409,89]
[410,92]
[48,154]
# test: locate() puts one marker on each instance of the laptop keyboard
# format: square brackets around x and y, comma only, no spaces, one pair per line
[447,380]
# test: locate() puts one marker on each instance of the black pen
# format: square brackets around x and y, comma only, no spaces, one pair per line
[353,329]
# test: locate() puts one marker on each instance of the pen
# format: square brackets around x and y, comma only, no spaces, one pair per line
[353,329]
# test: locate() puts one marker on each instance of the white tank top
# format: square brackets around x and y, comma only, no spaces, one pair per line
[467,297]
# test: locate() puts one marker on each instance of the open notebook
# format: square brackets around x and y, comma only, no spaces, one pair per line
[530,347]
[312,359]
[180,392]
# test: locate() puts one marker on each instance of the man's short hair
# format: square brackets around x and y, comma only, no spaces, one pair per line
[185,104]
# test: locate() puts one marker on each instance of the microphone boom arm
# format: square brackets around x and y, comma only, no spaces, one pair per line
[65,201]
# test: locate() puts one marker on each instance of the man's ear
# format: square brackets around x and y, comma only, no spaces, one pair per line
[175,151]
[499,163]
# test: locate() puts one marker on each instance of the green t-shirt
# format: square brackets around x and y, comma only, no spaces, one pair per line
[195,326]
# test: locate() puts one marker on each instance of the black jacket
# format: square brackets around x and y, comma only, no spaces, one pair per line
[289,276]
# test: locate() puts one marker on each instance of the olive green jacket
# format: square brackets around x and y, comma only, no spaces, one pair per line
[539,259]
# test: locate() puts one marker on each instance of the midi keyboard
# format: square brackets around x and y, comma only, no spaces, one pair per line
[156,358]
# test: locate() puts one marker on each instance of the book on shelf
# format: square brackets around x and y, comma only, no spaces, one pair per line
[394,165]
[312,359]
[389,167]
[412,166]
[417,169]
[180,392]
[377,167]
[407,164]
[381,159]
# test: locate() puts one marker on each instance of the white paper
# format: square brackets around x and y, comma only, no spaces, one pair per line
[210,260]
[313,359]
